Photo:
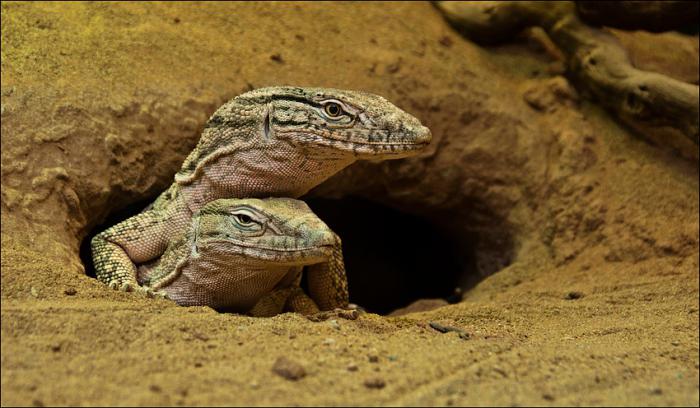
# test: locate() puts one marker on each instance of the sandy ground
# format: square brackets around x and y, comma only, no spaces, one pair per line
[101,102]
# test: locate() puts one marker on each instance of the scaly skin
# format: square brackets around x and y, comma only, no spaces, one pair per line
[247,256]
[270,142]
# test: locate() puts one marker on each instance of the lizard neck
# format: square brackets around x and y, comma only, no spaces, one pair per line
[262,171]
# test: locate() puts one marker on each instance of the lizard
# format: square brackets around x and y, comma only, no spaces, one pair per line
[268,142]
[246,256]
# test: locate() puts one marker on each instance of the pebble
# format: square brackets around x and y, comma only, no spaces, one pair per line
[573,295]
[70,291]
[373,358]
[446,41]
[446,329]
[352,367]
[288,369]
[376,383]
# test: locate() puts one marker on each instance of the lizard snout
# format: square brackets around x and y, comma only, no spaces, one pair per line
[422,134]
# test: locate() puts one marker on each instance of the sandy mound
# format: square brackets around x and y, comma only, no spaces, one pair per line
[577,238]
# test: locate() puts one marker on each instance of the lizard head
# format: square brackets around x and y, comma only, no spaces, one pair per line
[312,131]
[276,231]
[360,124]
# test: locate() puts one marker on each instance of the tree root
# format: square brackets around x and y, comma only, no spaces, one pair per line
[595,60]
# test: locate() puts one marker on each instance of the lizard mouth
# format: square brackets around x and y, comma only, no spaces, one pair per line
[297,255]
[360,147]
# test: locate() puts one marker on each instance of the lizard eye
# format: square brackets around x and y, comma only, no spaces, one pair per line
[333,110]
[246,224]
[244,219]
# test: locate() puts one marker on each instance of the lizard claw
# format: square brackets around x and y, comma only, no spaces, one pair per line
[129,287]
[349,313]
[126,287]
[149,292]
[162,295]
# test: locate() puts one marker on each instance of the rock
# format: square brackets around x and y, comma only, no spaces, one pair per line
[286,368]
[551,94]
[375,383]
[573,295]
[446,329]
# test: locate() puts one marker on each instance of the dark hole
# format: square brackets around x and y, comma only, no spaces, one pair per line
[634,104]
[393,258]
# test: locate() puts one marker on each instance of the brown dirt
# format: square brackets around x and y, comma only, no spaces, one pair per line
[596,226]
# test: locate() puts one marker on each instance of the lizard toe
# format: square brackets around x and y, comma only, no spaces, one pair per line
[146,291]
[161,295]
[126,287]
[349,313]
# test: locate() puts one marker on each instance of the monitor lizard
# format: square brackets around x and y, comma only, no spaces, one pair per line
[269,142]
[247,256]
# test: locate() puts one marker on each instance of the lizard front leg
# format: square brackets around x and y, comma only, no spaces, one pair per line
[291,299]
[328,284]
[287,297]
[300,302]
[116,250]
[271,304]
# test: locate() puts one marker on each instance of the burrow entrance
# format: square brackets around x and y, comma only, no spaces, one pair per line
[392,258]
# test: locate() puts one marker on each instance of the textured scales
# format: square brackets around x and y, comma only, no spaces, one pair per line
[270,142]
[247,256]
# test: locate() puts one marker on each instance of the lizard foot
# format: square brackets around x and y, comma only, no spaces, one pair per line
[123,286]
[348,314]
[135,287]
[152,293]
